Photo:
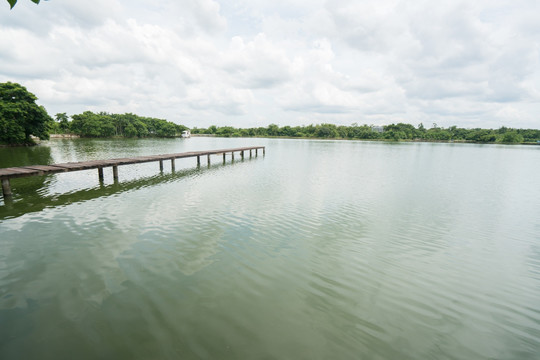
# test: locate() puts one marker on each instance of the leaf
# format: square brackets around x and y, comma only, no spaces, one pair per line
[13,2]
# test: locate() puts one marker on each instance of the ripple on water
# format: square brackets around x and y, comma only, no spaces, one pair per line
[319,250]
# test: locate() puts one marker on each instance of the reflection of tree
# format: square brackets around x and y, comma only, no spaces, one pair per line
[33,188]
[23,156]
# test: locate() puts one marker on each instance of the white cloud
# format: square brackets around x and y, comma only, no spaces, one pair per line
[289,62]
[219,99]
[256,64]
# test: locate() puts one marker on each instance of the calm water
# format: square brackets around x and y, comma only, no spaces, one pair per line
[319,250]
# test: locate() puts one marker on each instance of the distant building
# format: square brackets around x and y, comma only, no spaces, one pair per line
[378,129]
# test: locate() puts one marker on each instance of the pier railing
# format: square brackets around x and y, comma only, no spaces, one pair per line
[37,170]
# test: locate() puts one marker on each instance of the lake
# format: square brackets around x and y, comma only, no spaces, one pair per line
[317,250]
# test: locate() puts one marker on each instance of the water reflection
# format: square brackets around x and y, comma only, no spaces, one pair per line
[323,250]
[30,194]
[25,155]
[22,156]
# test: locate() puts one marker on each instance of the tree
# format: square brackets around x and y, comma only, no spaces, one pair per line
[20,116]
[326,131]
[399,131]
[13,2]
[225,131]
[273,130]
[89,124]
[130,131]
[512,137]
[63,122]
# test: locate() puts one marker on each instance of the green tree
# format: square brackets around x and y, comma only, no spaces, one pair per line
[273,130]
[63,122]
[326,131]
[458,133]
[142,130]
[437,133]
[166,129]
[89,124]
[530,135]
[285,131]
[482,135]
[225,131]
[130,131]
[399,131]
[20,116]
[13,2]
[394,134]
[512,137]
[120,123]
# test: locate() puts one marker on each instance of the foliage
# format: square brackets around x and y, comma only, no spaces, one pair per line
[20,116]
[61,126]
[13,2]
[392,132]
[89,124]
[512,137]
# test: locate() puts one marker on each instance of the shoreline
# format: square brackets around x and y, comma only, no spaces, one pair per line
[64,136]
[73,136]
[369,140]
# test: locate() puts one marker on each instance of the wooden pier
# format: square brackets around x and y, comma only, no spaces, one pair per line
[37,170]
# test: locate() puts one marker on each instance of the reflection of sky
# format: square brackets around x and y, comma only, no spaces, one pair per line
[377,238]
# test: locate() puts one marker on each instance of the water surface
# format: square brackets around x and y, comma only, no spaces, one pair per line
[318,250]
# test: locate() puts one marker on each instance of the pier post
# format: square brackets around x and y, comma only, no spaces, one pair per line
[256,152]
[6,189]
[37,170]
[264,151]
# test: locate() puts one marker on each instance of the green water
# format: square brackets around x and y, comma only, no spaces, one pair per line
[318,250]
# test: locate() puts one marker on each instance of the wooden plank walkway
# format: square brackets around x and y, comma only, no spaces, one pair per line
[37,170]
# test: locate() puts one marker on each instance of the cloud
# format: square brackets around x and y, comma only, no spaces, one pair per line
[256,64]
[42,18]
[225,101]
[213,62]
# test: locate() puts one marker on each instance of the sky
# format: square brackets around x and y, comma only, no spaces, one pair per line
[250,63]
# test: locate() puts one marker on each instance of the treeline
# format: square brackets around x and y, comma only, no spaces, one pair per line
[394,132]
[96,125]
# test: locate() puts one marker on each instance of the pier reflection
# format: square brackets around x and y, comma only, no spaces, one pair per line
[31,193]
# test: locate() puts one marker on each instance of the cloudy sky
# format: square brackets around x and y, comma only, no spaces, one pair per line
[290,62]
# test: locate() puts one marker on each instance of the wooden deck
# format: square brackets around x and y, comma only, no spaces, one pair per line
[38,170]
